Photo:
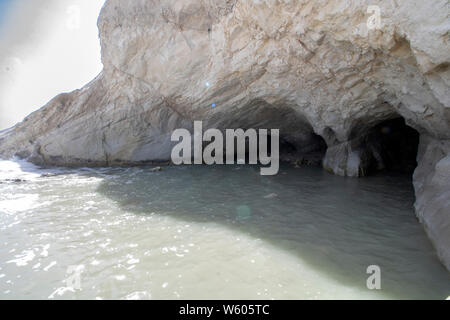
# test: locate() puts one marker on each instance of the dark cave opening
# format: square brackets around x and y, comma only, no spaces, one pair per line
[393,146]
[308,152]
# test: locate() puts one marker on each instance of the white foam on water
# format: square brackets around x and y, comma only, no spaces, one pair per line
[60,292]
[19,203]
[139,295]
[45,248]
[18,169]
[51,265]
[24,258]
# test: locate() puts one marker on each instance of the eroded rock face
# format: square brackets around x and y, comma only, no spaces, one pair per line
[432,184]
[309,68]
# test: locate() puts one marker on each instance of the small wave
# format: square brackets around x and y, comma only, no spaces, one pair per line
[19,203]
[23,259]
[16,168]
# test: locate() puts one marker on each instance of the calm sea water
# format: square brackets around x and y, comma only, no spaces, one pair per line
[198,232]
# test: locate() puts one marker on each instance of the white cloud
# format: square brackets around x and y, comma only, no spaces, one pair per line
[46,48]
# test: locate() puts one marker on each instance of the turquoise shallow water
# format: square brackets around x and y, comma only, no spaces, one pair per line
[198,232]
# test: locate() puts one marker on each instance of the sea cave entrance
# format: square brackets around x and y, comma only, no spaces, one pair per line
[394,146]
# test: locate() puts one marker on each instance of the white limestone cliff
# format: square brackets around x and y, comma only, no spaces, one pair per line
[310,68]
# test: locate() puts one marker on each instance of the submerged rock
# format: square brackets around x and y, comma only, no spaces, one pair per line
[317,70]
[48,175]
[13,181]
